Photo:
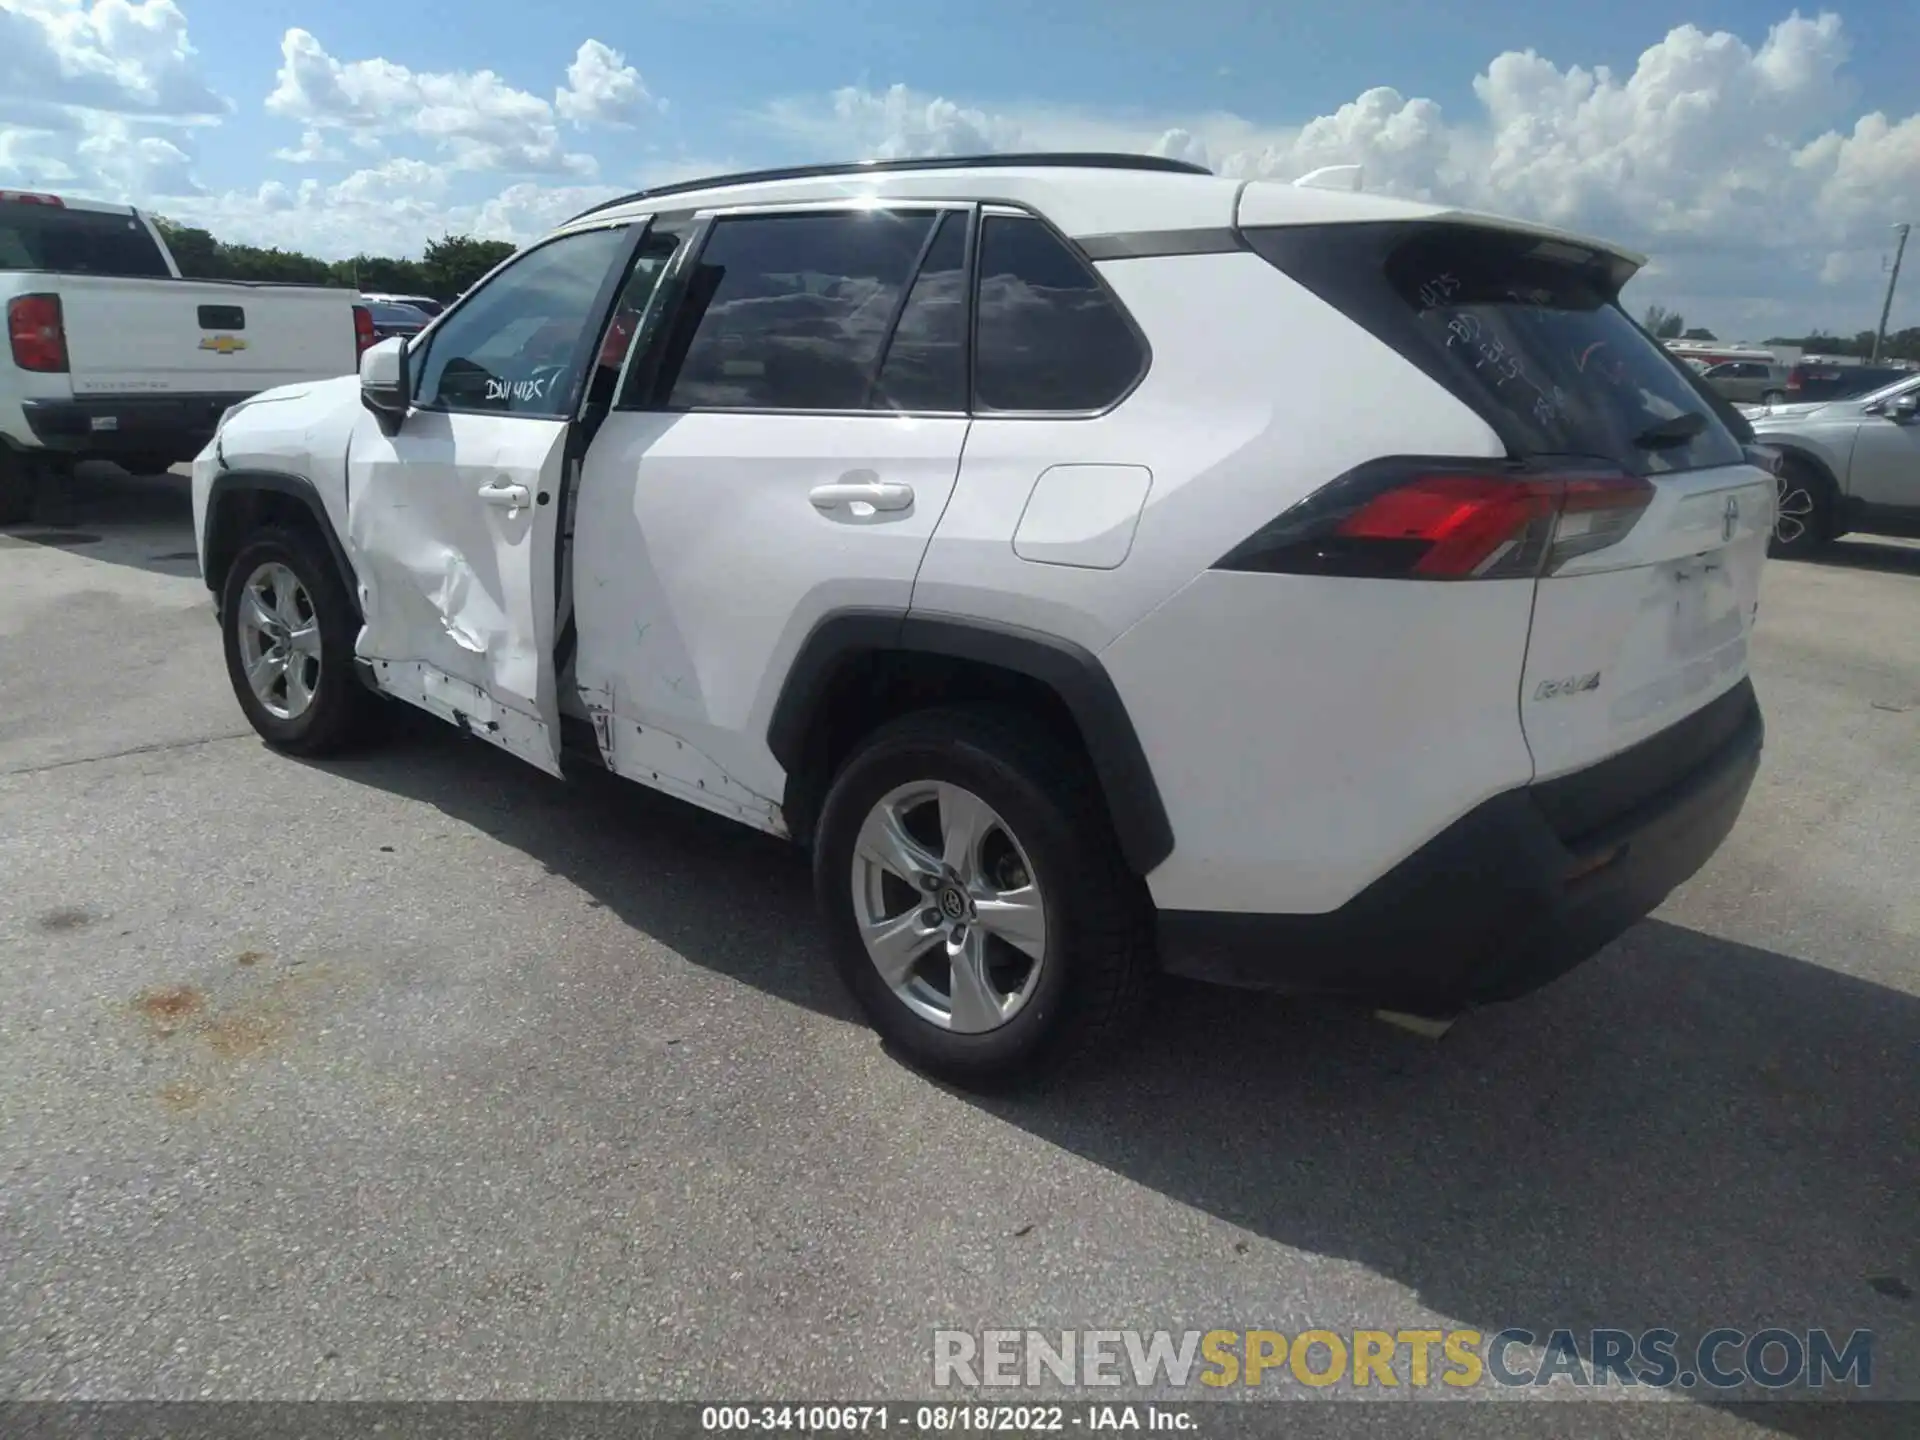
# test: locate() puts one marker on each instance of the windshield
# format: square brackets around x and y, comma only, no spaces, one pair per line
[1887,392]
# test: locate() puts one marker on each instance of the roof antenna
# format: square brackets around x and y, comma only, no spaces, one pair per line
[1332,177]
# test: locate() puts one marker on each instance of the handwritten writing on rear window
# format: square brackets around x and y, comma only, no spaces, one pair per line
[1489,355]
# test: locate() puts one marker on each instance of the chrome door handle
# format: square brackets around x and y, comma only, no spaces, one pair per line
[880,495]
[506,496]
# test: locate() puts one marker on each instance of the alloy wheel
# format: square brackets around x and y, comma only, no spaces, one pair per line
[948,907]
[279,641]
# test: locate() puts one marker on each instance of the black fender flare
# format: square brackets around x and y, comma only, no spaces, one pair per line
[297,488]
[1069,670]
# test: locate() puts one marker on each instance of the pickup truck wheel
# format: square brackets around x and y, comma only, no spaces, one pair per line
[977,902]
[16,488]
[1803,517]
[289,630]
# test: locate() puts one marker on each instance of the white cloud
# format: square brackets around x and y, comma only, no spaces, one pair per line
[127,57]
[313,149]
[602,89]
[1741,167]
[474,118]
[102,96]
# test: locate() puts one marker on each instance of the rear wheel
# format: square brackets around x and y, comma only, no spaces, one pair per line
[1803,516]
[289,630]
[976,900]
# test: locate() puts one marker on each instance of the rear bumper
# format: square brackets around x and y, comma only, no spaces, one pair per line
[176,427]
[1509,897]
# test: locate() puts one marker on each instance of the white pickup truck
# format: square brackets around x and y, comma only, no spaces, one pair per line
[112,355]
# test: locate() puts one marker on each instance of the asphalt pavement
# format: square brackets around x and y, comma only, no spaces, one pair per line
[418,1074]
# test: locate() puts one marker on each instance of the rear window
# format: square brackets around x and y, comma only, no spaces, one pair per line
[76,242]
[1526,331]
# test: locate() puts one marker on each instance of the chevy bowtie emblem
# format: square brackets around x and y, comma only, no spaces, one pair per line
[223,344]
[1730,520]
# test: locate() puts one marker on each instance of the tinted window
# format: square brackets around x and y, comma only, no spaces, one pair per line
[1050,337]
[926,361]
[1531,331]
[788,312]
[76,242]
[515,345]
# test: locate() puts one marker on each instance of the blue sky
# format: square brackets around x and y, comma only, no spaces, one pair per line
[1759,154]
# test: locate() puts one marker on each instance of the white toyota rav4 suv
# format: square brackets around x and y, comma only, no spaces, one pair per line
[1100,565]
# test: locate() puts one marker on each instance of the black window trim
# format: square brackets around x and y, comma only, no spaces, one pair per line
[988,209]
[707,219]
[672,293]
[418,345]
[906,296]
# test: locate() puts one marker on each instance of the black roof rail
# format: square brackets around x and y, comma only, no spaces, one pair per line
[1064,159]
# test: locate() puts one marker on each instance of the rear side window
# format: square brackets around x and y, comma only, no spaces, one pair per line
[789,312]
[77,242]
[1528,331]
[1050,336]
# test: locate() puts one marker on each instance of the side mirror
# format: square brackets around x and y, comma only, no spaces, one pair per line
[383,382]
[1904,407]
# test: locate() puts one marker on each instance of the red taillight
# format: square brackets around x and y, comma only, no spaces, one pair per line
[1412,521]
[38,333]
[1793,379]
[363,335]
[1450,526]
[28,197]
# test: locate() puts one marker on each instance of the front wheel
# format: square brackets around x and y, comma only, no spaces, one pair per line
[976,900]
[1803,515]
[289,630]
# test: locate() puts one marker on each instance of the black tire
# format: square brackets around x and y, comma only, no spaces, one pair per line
[16,487]
[1805,519]
[1099,962]
[343,709]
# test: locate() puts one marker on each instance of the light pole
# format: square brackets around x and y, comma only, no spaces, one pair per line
[1886,308]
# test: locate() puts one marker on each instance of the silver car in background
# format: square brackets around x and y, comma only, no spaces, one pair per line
[1846,465]
[1748,382]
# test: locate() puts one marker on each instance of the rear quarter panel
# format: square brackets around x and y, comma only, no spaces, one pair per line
[1257,393]
[1305,734]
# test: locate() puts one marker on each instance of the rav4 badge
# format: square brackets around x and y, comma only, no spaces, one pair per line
[1572,685]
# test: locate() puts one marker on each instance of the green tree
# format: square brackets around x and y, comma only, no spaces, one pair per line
[454,262]
[1662,323]
[195,251]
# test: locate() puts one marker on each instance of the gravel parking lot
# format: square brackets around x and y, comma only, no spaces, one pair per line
[419,1074]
